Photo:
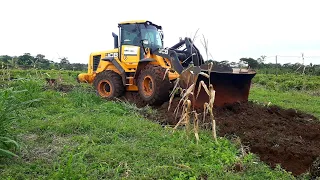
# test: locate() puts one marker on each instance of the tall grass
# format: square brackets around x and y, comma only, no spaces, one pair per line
[20,94]
[84,97]
[8,106]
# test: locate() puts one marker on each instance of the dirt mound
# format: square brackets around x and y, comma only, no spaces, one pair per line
[278,136]
[53,84]
[133,97]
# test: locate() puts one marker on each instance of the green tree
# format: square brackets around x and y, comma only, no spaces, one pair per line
[25,60]
[14,62]
[5,59]
[252,63]
[64,60]
[261,59]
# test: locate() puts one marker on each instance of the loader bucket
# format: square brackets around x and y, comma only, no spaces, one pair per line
[230,85]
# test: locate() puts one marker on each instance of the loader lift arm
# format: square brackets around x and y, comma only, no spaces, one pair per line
[231,85]
[181,59]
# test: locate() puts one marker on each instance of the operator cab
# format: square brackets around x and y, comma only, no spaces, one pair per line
[140,33]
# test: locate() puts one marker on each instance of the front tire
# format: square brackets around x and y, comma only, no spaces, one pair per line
[108,84]
[152,88]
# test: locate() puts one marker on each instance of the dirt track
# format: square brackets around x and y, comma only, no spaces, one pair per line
[276,135]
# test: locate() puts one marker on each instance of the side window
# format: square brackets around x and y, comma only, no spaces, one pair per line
[129,35]
[158,39]
[149,36]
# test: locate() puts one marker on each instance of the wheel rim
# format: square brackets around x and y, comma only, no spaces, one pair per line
[105,88]
[147,85]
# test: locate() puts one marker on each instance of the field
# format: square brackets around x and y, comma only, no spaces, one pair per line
[300,92]
[66,131]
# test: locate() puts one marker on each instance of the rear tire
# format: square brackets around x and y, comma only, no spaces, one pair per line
[151,86]
[108,84]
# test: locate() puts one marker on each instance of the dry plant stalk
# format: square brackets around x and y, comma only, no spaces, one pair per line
[196,126]
[205,45]
[60,77]
[185,102]
[185,118]
[208,108]
[165,73]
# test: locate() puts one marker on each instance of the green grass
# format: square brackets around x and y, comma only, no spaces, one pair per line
[68,77]
[76,135]
[289,99]
[287,82]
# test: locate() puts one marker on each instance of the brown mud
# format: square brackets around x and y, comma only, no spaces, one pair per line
[53,84]
[278,136]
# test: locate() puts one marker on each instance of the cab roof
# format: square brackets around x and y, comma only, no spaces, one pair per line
[133,22]
[139,22]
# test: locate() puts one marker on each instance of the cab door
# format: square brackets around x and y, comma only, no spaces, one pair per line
[130,56]
[130,50]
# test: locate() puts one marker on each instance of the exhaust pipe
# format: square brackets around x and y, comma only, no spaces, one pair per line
[115,40]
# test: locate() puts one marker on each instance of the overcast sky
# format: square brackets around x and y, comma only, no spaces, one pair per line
[234,29]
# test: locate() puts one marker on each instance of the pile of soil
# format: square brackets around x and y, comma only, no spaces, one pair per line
[278,136]
[133,97]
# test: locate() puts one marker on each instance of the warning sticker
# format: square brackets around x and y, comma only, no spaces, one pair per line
[130,50]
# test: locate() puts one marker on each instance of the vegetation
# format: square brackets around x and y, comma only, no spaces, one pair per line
[291,99]
[286,82]
[271,68]
[301,92]
[27,61]
[76,135]
[39,61]
[66,131]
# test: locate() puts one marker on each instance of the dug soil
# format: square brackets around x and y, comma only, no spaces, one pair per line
[278,136]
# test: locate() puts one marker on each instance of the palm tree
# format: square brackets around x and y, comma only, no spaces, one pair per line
[13,62]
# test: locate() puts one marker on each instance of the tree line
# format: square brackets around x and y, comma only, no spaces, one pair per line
[271,68]
[27,61]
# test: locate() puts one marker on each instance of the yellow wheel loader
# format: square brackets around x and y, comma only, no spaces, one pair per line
[139,62]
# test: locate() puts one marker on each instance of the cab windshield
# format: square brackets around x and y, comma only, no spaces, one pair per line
[133,34]
[151,34]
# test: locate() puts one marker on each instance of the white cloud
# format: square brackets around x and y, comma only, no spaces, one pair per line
[235,29]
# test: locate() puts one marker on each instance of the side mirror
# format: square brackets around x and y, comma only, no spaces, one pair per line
[161,34]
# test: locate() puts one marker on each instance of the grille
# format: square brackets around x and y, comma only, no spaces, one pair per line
[96,60]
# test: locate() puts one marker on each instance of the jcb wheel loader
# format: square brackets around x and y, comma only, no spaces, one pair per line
[139,62]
